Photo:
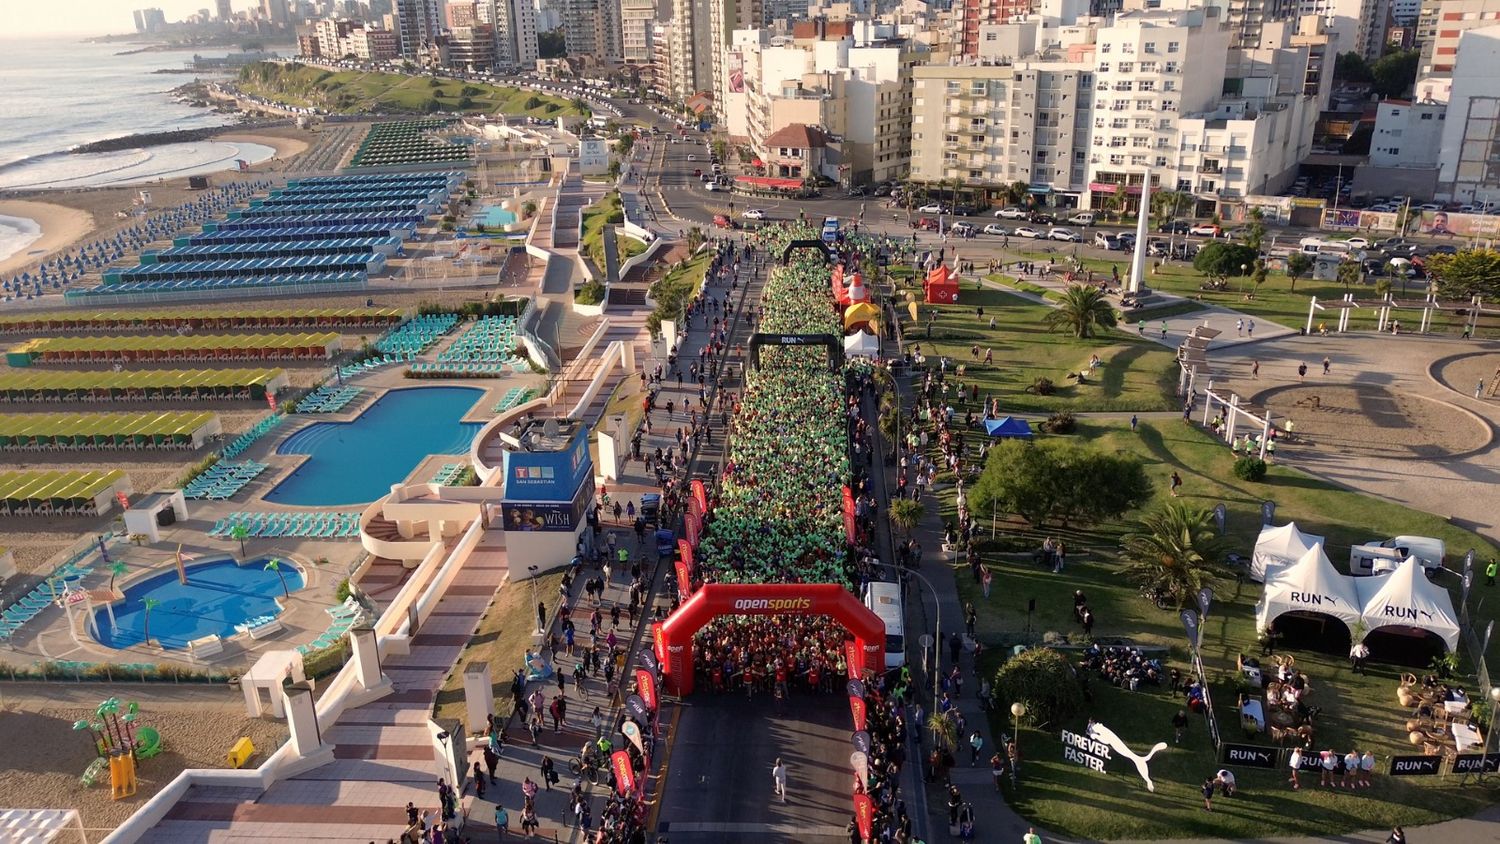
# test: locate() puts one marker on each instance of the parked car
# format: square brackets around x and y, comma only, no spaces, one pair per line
[1127,239]
[1011,212]
[710,186]
[1027,231]
[1084,218]
[1358,243]
[1175,227]
[1205,230]
[1156,248]
[933,208]
[857,190]
[1042,219]
[754,214]
[964,210]
[692,157]
[1108,241]
[723,222]
[1397,247]
[995,228]
[883,190]
[1066,235]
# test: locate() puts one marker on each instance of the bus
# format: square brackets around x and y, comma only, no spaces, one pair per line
[830,229]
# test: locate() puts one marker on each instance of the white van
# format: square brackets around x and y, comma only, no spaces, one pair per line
[1428,550]
[1311,245]
[884,599]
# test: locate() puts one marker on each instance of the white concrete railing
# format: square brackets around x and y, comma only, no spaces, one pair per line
[619,354]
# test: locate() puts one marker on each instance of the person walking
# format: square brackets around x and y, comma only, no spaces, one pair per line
[778,779]
[1397,836]
[1239,328]
[976,743]
[1134,421]
[1255,369]
[1031,837]
[1326,364]
[1490,571]
[1208,795]
[502,822]
[1179,726]
[548,770]
[1301,371]
[997,768]
[1175,483]
[1294,763]
[1250,328]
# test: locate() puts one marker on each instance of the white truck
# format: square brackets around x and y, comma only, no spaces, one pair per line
[1379,556]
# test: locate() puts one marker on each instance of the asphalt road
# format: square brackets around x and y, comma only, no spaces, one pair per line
[719,787]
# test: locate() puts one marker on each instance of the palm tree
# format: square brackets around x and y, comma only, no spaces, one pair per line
[1082,309]
[275,565]
[1165,205]
[116,569]
[906,514]
[1349,273]
[151,604]
[944,731]
[240,532]
[1016,193]
[1174,549]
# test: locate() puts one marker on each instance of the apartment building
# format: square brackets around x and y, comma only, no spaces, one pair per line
[1358,26]
[637,19]
[514,25]
[334,39]
[1469,157]
[973,14]
[419,23]
[1442,23]
[834,76]
[689,68]
[661,59]
[592,28]
[726,63]
[1408,135]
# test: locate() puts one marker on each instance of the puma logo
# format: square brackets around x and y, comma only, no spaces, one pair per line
[1099,732]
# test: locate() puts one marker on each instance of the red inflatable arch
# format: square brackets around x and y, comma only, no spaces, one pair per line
[674,637]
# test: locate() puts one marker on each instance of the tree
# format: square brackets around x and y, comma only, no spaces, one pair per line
[1174,549]
[1059,479]
[1166,205]
[1473,272]
[1394,74]
[614,169]
[906,513]
[465,102]
[1043,680]
[1297,265]
[1258,274]
[944,731]
[1082,309]
[240,532]
[1221,260]
[1349,273]
[1383,287]
[1255,233]
[580,106]
[150,604]
[275,565]
[1016,193]
[551,45]
[1351,67]
[532,103]
[528,208]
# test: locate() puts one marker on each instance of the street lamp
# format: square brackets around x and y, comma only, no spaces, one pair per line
[1017,711]
[535,600]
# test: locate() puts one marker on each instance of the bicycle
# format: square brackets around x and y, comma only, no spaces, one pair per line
[1162,598]
[584,767]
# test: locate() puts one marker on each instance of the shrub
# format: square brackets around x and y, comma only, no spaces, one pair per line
[1042,679]
[323,662]
[1250,469]
[197,469]
[1061,422]
[1042,387]
[591,293]
[341,594]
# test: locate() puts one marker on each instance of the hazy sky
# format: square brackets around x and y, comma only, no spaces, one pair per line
[94,17]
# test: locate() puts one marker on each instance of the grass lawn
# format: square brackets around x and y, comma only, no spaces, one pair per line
[1358,710]
[1137,375]
[353,92]
[503,636]
[1276,301]
[674,290]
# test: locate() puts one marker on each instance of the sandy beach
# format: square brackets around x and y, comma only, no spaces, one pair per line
[60,224]
[286,147]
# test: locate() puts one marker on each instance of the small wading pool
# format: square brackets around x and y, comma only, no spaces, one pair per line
[218,595]
[356,462]
[495,217]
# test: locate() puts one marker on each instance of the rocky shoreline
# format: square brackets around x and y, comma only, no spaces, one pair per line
[148,139]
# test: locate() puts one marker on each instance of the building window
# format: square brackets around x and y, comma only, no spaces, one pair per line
[1173,47]
[1169,85]
[1104,48]
[976,88]
[1149,47]
[1127,67]
[1104,67]
[1117,159]
[1161,161]
[1148,85]
[1394,150]
[1427,116]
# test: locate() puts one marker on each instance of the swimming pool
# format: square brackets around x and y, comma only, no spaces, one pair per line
[356,462]
[218,595]
[495,217]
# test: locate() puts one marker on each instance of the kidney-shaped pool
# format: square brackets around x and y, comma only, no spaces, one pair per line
[218,595]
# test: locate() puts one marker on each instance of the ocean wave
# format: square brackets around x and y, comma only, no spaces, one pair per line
[17,233]
[142,165]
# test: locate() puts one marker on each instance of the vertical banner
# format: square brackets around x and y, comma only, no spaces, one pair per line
[1267,512]
[692,525]
[123,499]
[848,515]
[271,400]
[1205,598]
[1221,514]
[632,731]
[645,686]
[619,761]
[864,815]
[700,495]
[685,554]
[659,644]
[648,660]
[1468,579]
[1190,626]
[684,581]
[855,661]
[857,707]
[860,761]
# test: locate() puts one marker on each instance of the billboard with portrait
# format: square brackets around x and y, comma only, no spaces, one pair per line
[548,516]
[1459,225]
[1353,219]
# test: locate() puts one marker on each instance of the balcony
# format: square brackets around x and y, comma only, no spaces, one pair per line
[1210,169]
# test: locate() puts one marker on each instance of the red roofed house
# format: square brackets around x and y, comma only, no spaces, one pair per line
[795,151]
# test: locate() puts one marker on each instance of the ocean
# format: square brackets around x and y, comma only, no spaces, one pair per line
[60,93]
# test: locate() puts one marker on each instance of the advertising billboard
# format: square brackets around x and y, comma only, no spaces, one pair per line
[549,475]
[736,72]
[1459,225]
[550,516]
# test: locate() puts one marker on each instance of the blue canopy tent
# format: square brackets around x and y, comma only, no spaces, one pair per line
[1007,426]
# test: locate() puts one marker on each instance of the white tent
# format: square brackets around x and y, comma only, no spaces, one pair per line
[861,344]
[1406,598]
[1311,584]
[1279,546]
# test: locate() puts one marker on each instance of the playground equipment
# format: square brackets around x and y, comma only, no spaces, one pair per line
[241,752]
[119,743]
